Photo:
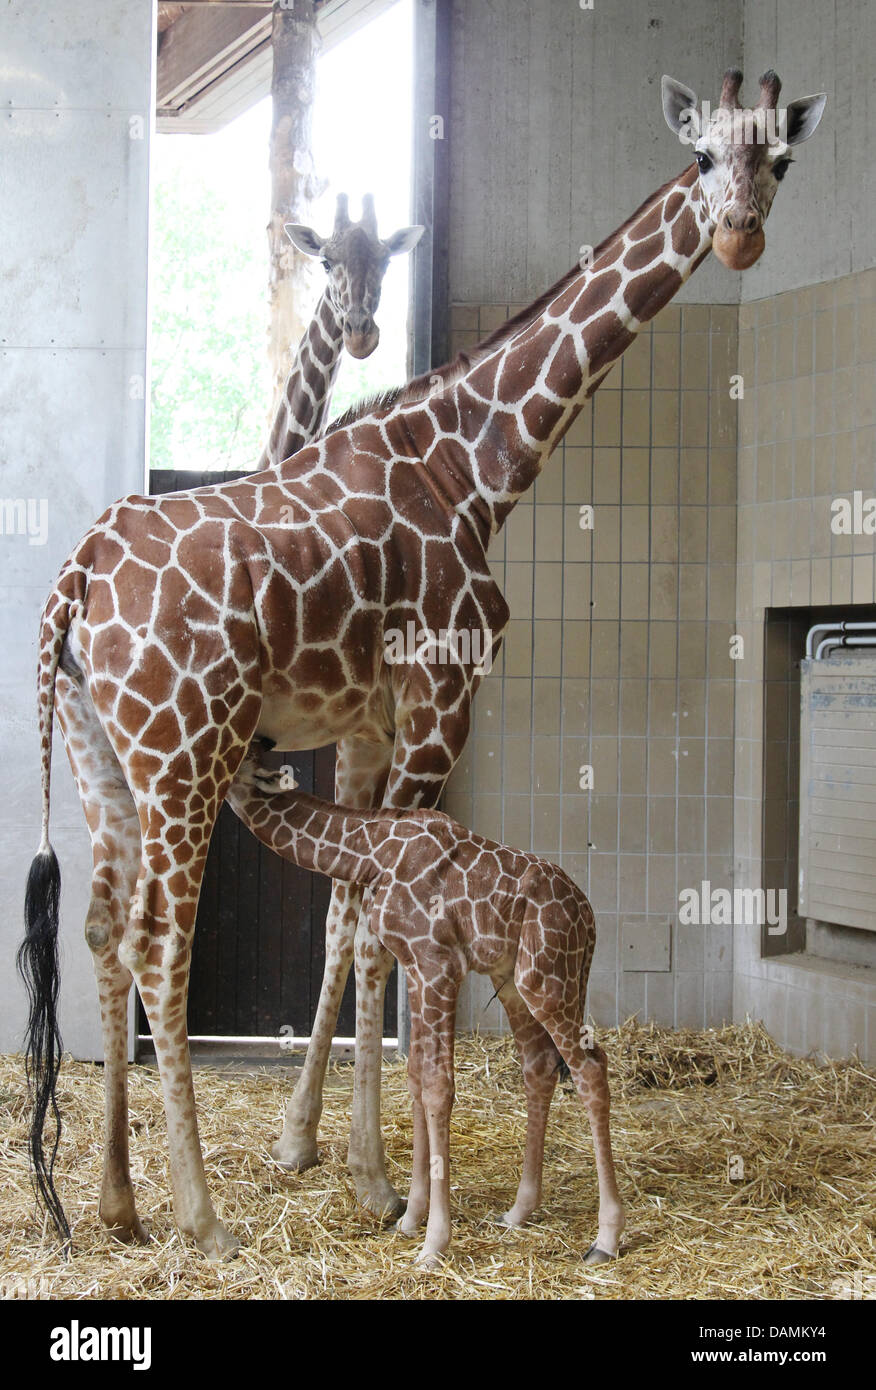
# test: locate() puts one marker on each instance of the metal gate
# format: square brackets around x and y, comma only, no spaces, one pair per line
[259,947]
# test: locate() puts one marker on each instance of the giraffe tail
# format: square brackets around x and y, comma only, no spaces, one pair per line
[37,958]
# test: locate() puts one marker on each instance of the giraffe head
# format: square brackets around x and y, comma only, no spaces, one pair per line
[742,154]
[355,261]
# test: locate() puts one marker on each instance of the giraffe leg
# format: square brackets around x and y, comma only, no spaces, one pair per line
[365,1157]
[418,1197]
[296,1149]
[360,776]
[426,747]
[115,836]
[177,806]
[438,1092]
[550,974]
[589,1068]
[156,948]
[539,1062]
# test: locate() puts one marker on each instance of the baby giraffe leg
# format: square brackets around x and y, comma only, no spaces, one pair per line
[438,1092]
[589,1068]
[591,1080]
[418,1198]
[540,1063]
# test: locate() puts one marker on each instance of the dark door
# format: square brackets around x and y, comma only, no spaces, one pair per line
[259,948]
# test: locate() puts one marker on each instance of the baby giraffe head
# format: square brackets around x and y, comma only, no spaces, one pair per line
[742,155]
[355,261]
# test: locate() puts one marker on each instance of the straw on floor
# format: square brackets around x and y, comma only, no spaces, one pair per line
[747,1173]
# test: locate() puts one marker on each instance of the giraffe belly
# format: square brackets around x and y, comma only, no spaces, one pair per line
[310,720]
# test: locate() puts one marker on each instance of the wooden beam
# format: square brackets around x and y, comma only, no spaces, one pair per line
[202,46]
[214,60]
[295,43]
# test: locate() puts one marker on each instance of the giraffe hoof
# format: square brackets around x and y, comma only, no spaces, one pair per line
[219,1244]
[134,1232]
[595,1256]
[384,1203]
[429,1260]
[514,1218]
[295,1159]
[406,1228]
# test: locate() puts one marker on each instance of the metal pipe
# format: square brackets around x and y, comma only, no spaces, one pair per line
[841,627]
[844,643]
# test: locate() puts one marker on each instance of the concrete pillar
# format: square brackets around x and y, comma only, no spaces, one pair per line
[75,122]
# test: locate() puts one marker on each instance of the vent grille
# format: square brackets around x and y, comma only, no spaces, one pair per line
[838,791]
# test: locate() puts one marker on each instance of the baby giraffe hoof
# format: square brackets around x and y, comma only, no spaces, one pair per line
[429,1260]
[406,1226]
[218,1244]
[595,1256]
[295,1159]
[515,1217]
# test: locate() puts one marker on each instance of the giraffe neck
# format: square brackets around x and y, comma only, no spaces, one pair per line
[319,836]
[511,407]
[304,402]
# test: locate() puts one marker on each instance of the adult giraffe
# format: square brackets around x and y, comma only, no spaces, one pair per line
[355,260]
[183,626]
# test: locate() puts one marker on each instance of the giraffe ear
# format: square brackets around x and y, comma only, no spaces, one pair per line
[680,110]
[403,240]
[304,238]
[802,117]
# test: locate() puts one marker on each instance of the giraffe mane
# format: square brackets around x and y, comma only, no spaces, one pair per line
[419,388]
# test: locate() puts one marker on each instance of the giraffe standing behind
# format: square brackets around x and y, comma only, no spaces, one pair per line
[446,901]
[355,261]
[184,626]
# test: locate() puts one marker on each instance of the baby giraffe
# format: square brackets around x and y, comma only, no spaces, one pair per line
[445,901]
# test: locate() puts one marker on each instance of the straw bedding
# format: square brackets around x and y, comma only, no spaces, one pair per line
[799,1223]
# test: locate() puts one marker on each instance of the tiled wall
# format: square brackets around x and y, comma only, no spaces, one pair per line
[807,434]
[618,657]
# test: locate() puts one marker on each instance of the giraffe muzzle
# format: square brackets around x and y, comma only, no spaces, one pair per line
[361,344]
[738,247]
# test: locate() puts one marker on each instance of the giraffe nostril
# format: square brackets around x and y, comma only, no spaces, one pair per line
[752,223]
[358,321]
[728,222]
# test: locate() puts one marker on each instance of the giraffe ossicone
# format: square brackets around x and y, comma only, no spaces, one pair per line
[186,625]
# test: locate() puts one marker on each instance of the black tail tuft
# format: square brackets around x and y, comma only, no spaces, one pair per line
[563,1072]
[37,963]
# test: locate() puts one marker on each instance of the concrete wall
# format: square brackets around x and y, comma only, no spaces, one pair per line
[618,657]
[822,226]
[625,670]
[807,434]
[74,147]
[557,133]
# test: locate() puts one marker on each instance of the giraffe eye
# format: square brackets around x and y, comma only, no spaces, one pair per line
[780,168]
[704,161]
[326,265]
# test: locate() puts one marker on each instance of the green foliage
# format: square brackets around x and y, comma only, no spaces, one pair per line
[209,310]
[210,404]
